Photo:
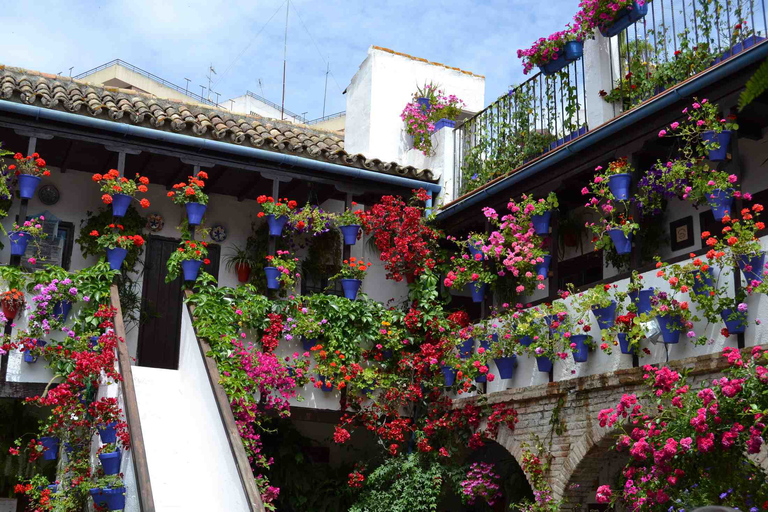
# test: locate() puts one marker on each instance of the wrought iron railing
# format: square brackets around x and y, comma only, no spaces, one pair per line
[675,40]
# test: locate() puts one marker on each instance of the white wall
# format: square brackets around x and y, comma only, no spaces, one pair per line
[246,104]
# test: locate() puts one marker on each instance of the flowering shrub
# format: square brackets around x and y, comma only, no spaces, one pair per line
[481,483]
[420,119]
[112,183]
[191,191]
[277,208]
[287,267]
[548,49]
[32,165]
[187,250]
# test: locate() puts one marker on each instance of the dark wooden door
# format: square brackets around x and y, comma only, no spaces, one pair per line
[161,303]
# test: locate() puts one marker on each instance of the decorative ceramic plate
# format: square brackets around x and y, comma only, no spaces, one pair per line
[155,222]
[218,233]
[48,194]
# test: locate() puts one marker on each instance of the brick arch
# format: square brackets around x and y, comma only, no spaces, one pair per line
[507,440]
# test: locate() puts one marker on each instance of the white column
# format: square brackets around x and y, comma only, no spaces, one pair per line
[597,67]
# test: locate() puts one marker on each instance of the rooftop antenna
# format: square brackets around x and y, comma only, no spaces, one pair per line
[70,71]
[285,57]
[186,88]
[325,91]
[211,72]
[261,87]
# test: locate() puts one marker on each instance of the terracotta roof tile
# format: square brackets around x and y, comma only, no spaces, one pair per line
[129,106]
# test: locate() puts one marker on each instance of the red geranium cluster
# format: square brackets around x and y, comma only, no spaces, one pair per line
[32,165]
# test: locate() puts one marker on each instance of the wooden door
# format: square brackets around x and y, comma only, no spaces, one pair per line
[161,303]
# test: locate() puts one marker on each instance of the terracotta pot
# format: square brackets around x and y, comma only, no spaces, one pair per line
[9,310]
[243,272]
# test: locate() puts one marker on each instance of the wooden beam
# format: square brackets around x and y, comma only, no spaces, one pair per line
[67,153]
[139,451]
[248,190]
[181,173]
[236,446]
[214,178]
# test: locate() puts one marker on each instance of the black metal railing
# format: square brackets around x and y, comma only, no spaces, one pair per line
[162,81]
[537,116]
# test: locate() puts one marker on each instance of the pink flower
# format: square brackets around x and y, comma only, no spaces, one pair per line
[662,133]
[604,494]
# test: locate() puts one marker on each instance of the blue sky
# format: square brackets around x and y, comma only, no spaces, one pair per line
[178,39]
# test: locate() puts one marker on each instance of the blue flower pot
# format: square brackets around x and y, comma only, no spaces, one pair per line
[625,18]
[387,354]
[99,498]
[541,223]
[642,299]
[670,326]
[351,287]
[19,241]
[190,269]
[702,280]
[29,358]
[466,348]
[553,66]
[115,498]
[542,268]
[525,341]
[721,202]
[619,185]
[110,462]
[195,212]
[107,432]
[276,224]
[449,374]
[581,352]
[423,102]
[61,310]
[350,233]
[28,185]
[574,50]
[115,257]
[307,344]
[605,316]
[736,326]
[722,138]
[756,266]
[325,387]
[272,275]
[481,378]
[624,344]
[474,251]
[120,203]
[478,291]
[486,343]
[544,364]
[444,123]
[622,242]
[506,366]
[51,447]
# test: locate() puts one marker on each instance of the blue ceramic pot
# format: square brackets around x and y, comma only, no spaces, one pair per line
[525,341]
[350,233]
[478,291]
[325,387]
[622,242]
[19,241]
[474,251]
[481,378]
[195,212]
[542,267]
[110,462]
[624,344]
[449,374]
[307,344]
[115,498]
[27,185]
[670,327]
[736,326]
[351,287]
[722,138]
[115,257]
[61,310]
[624,18]
[605,316]
[541,223]
[721,202]
[99,498]
[581,352]
[642,300]
[752,267]
[107,432]
[701,280]
[553,66]
[544,364]
[619,185]
[191,269]
[51,447]
[272,275]
[466,348]
[506,366]
[423,103]
[444,123]
[29,358]
[574,50]
[276,224]
[120,203]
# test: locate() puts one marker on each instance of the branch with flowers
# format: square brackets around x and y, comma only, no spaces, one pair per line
[549,49]
[428,105]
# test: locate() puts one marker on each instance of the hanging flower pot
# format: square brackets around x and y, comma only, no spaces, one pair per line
[486,344]
[19,241]
[27,185]
[624,344]
[669,325]
[525,341]
[423,102]
[9,310]
[276,224]
[449,374]
[574,50]
[50,447]
[553,66]
[61,310]
[544,364]
[701,280]
[307,344]
[272,275]
[327,387]
[474,251]
[542,267]
[721,202]
[478,291]
[736,326]
[619,185]
[351,287]
[624,18]
[622,242]
[581,352]
[350,233]
[110,462]
[107,432]
[115,257]
[191,269]
[541,223]
[481,378]
[99,497]
[120,203]
[29,358]
[752,266]
[506,366]
[115,498]
[605,316]
[195,212]
[243,272]
[93,342]
[722,138]
[466,348]
[642,299]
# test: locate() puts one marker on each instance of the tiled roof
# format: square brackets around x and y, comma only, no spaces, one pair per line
[393,52]
[129,106]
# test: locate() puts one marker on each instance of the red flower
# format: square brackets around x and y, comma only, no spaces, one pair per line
[106,199]
[144,203]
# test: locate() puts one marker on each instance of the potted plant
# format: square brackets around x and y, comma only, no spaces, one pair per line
[475,243]
[740,244]
[600,301]
[528,325]
[672,315]
[31,347]
[119,191]
[540,211]
[281,270]
[504,350]
[469,272]
[351,274]
[108,492]
[116,244]
[610,16]
[615,225]
[619,174]
[713,186]
[12,302]
[553,53]
[705,133]
[21,235]
[193,198]
[628,332]
[310,219]
[50,447]
[110,456]
[276,211]
[429,110]
[188,258]
[242,262]
[305,325]
[29,171]
[349,223]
